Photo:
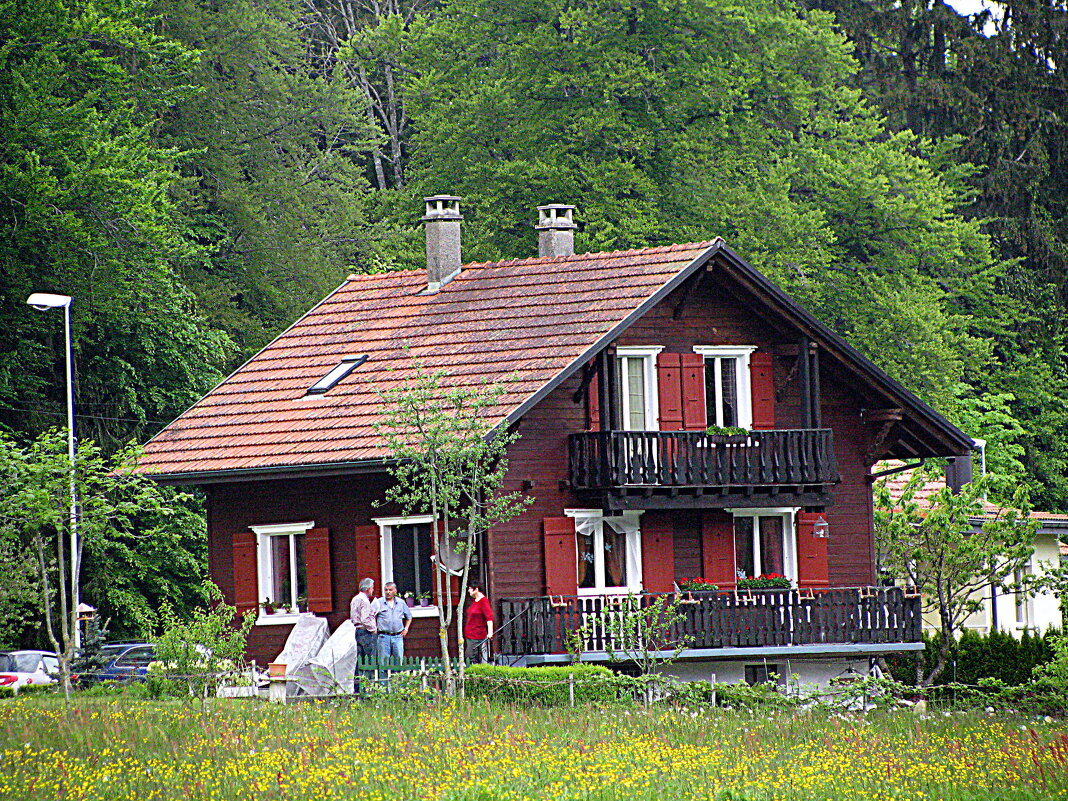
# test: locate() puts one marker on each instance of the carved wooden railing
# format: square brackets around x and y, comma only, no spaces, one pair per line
[604,459]
[761,618]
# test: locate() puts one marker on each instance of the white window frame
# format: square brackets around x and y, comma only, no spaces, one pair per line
[1023,606]
[713,354]
[265,569]
[648,355]
[385,554]
[634,551]
[789,551]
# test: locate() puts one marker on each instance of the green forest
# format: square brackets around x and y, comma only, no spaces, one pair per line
[197,173]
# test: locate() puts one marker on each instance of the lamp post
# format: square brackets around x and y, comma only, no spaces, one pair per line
[43,301]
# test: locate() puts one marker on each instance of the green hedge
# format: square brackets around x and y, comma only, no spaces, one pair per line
[542,686]
[999,656]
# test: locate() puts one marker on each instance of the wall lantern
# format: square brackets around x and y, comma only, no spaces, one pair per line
[820,528]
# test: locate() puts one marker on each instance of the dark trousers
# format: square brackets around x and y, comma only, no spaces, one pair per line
[366,649]
[477,651]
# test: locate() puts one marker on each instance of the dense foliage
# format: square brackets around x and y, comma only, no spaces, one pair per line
[196,174]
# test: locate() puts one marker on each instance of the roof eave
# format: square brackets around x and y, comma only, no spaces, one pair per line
[859,361]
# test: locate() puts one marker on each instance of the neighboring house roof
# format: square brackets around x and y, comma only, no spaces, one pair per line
[896,482]
[528,323]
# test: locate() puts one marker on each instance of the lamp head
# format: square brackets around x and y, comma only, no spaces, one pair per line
[44,300]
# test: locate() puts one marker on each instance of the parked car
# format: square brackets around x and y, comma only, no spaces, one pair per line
[125,661]
[21,668]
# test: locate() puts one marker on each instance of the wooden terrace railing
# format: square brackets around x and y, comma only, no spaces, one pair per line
[606,459]
[761,618]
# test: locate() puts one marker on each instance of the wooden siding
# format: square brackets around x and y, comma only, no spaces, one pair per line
[337,503]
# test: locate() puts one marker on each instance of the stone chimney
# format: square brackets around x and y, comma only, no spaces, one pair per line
[556,230]
[442,220]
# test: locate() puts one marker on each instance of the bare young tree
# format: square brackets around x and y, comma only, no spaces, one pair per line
[950,549]
[449,461]
[364,39]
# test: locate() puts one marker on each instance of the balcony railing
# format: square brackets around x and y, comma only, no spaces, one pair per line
[763,618]
[607,459]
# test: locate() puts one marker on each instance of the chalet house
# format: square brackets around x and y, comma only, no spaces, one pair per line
[619,364]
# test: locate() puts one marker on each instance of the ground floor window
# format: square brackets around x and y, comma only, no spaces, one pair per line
[764,543]
[761,673]
[608,551]
[281,566]
[407,548]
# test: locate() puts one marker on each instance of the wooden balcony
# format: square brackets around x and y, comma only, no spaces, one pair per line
[640,463]
[883,619]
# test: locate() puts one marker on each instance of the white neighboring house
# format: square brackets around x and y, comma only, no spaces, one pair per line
[1005,610]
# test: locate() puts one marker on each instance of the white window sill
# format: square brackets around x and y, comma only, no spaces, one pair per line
[281,619]
[424,611]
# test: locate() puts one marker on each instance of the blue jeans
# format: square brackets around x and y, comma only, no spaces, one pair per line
[390,648]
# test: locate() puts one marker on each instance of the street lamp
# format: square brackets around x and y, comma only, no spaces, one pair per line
[42,301]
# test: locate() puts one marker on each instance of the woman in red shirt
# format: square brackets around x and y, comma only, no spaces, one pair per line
[478,628]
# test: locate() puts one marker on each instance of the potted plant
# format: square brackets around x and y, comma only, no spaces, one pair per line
[268,606]
[697,585]
[727,435]
[409,598]
[765,581]
[302,604]
[424,599]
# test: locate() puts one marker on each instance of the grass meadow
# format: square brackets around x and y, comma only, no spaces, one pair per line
[121,748]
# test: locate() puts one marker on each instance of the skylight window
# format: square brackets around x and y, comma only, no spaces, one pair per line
[348,364]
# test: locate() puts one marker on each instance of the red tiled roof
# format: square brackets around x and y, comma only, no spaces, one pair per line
[896,484]
[530,318]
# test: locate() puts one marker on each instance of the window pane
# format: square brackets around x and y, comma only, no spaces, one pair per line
[423,568]
[615,557]
[771,545]
[711,393]
[302,568]
[636,390]
[410,549]
[743,546]
[280,589]
[729,380]
[586,578]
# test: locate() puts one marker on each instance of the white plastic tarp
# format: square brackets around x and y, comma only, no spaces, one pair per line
[333,667]
[305,641]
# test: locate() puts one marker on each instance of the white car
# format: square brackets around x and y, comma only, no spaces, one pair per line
[20,668]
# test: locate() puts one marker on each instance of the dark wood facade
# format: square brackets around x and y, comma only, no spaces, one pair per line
[815,454]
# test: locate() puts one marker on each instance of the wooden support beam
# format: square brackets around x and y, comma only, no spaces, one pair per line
[687,290]
[882,415]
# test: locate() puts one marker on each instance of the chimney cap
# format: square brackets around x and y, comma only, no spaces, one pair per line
[555,215]
[442,207]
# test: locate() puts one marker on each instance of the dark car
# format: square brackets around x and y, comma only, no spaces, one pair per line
[127,661]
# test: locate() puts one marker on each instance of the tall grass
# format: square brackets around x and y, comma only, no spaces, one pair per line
[121,748]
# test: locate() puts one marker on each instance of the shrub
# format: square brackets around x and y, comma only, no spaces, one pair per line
[544,686]
[999,656]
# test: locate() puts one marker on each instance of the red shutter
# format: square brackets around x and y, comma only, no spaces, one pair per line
[717,548]
[658,552]
[593,404]
[762,388]
[669,383]
[317,564]
[246,572]
[561,555]
[693,392]
[811,553]
[369,555]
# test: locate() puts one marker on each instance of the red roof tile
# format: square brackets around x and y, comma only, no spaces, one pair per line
[896,484]
[530,318]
